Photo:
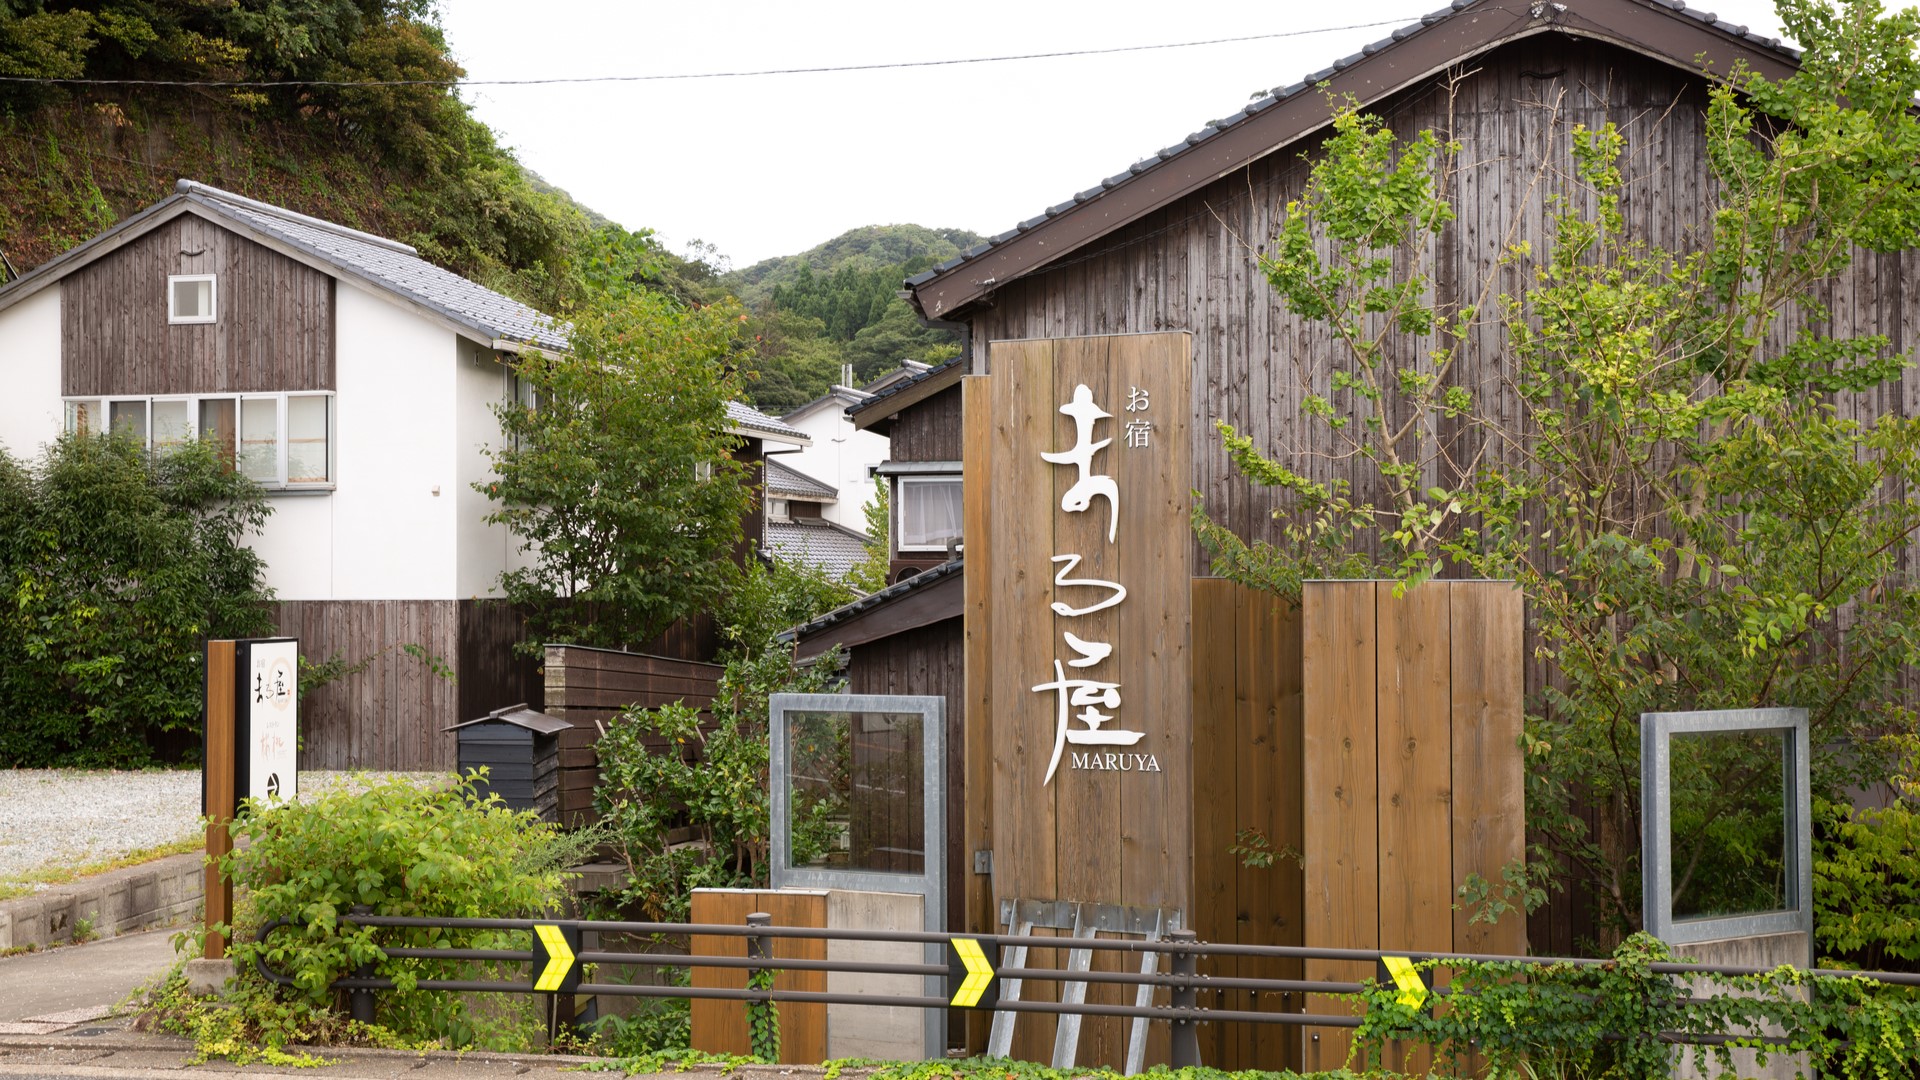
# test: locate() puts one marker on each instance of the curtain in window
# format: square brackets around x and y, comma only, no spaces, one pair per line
[307,440]
[172,425]
[929,512]
[259,455]
[129,418]
[217,427]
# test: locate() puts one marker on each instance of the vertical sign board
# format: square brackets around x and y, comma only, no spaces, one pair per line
[251,748]
[1089,477]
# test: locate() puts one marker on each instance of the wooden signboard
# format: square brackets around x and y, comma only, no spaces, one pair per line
[1088,479]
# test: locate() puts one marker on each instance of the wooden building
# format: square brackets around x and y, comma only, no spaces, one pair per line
[1167,252]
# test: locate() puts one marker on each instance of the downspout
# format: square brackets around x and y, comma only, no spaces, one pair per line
[962,330]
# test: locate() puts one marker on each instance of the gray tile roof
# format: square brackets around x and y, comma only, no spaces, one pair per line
[906,384]
[785,480]
[822,544]
[873,600]
[389,264]
[746,416]
[1275,96]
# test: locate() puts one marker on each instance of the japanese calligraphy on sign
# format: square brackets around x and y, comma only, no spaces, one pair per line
[1088,700]
[272,727]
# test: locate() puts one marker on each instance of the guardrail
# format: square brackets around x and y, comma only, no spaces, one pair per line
[556,961]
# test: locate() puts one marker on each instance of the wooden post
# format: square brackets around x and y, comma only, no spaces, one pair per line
[221,800]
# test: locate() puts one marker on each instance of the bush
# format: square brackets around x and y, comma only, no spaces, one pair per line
[1866,886]
[115,567]
[400,850]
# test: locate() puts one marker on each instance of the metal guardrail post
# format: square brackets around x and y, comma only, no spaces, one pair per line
[757,945]
[1186,1030]
[360,1002]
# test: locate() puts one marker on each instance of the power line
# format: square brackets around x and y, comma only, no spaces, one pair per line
[1065,53]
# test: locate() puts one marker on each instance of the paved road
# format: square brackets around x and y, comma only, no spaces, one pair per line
[77,983]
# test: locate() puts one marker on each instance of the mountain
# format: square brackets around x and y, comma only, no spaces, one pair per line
[870,247]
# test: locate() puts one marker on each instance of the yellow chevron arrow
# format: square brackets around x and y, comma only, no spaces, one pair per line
[1413,990]
[559,957]
[979,973]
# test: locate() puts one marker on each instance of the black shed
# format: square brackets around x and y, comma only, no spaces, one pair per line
[520,748]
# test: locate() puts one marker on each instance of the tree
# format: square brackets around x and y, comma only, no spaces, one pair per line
[1695,523]
[615,473]
[115,567]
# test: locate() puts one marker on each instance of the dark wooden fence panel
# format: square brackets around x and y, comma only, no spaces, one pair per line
[491,676]
[587,687]
[392,714]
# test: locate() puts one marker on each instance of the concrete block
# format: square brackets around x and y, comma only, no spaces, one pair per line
[6,929]
[868,1031]
[1764,950]
[206,978]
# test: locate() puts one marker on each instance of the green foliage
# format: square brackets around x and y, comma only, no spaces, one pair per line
[662,770]
[1695,524]
[249,1025]
[656,1026]
[400,850]
[617,477]
[115,567]
[763,1018]
[673,1060]
[1606,1021]
[768,596]
[1866,886]
[869,575]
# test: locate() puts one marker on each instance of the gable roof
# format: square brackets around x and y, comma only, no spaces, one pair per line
[387,266]
[754,424]
[924,384]
[1665,30]
[825,545]
[785,480]
[929,597]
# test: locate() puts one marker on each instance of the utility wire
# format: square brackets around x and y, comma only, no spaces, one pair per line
[702,75]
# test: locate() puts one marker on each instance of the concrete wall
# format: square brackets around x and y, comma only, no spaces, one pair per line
[483,550]
[1766,951]
[884,1033]
[30,410]
[159,893]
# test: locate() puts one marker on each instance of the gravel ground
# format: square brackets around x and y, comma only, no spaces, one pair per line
[54,817]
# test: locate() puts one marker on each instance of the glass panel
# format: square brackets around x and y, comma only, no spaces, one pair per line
[259,455]
[192,300]
[84,418]
[129,418]
[1729,827]
[216,426]
[857,791]
[171,426]
[307,440]
[929,512]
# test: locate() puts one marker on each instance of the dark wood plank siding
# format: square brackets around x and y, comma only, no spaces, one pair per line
[1194,266]
[491,676]
[927,430]
[587,687]
[274,327]
[392,714]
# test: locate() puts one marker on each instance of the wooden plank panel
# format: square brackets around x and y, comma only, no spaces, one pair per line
[1269,797]
[977,747]
[1340,871]
[1215,893]
[1022,542]
[1412,712]
[1489,812]
[720,1027]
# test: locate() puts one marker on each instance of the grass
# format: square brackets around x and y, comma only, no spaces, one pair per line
[61,875]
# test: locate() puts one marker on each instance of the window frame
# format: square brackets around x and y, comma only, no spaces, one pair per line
[174,318]
[279,481]
[901,483]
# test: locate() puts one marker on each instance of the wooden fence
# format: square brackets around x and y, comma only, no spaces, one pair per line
[587,687]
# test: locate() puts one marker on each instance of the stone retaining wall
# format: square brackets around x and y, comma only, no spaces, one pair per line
[158,893]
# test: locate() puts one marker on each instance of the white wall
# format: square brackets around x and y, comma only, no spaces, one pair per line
[383,534]
[840,456]
[30,411]
[484,550]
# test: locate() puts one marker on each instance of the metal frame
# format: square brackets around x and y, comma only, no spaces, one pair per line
[1656,808]
[931,885]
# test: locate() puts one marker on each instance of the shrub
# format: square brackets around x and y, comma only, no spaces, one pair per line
[400,850]
[1866,886]
[115,567]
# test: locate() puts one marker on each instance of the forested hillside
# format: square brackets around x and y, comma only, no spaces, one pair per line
[408,162]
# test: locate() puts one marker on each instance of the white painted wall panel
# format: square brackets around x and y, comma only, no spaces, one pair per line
[484,550]
[840,456]
[395,504]
[30,411]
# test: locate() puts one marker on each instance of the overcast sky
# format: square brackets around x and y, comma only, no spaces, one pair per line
[773,165]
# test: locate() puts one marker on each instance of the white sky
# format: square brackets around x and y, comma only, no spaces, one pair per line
[774,165]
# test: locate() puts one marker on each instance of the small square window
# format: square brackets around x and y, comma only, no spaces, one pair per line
[190,298]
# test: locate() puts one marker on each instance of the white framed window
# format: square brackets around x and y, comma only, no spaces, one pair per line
[192,298]
[927,512]
[282,441]
[778,510]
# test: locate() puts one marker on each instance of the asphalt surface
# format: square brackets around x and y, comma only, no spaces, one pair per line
[57,1019]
